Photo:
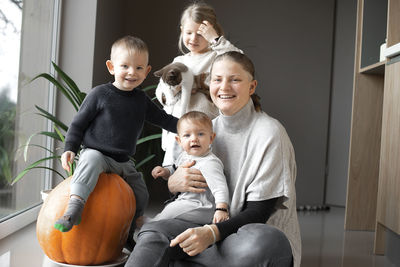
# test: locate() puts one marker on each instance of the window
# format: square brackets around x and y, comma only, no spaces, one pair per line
[19,204]
[10,32]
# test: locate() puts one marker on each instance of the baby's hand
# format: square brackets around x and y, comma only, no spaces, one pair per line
[159,171]
[66,158]
[220,216]
[206,29]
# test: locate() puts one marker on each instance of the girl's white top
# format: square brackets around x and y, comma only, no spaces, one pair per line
[201,63]
[259,164]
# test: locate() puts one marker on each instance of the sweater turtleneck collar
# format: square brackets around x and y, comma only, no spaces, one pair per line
[241,120]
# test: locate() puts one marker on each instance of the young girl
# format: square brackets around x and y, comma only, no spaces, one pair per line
[200,41]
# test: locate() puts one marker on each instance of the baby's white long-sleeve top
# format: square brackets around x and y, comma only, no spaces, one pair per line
[195,207]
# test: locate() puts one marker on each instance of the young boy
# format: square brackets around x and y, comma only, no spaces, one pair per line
[108,125]
[195,136]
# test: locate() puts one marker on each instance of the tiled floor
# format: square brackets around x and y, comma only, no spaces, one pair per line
[325,244]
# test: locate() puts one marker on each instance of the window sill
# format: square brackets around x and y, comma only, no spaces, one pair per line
[19,221]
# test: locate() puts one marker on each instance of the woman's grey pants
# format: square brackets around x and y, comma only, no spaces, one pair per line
[92,163]
[253,245]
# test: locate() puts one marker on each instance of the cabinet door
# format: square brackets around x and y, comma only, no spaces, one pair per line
[388,212]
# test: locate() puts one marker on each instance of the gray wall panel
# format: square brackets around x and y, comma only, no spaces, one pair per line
[342,94]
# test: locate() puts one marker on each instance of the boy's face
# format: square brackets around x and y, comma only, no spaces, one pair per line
[129,68]
[195,137]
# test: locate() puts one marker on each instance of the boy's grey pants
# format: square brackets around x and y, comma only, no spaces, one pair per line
[92,163]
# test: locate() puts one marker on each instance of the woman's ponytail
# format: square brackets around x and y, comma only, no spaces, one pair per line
[256,102]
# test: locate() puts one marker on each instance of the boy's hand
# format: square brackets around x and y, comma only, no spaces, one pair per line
[159,171]
[67,157]
[206,29]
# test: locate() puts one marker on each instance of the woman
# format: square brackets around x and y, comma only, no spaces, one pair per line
[260,168]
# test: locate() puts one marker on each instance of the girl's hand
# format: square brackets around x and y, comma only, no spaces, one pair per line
[186,179]
[67,157]
[220,216]
[195,240]
[206,29]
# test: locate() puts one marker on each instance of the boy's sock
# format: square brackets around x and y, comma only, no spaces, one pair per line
[72,215]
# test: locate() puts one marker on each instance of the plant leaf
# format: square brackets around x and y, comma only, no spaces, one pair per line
[59,133]
[52,135]
[144,161]
[35,145]
[64,90]
[82,95]
[35,166]
[52,118]
[27,145]
[148,138]
[147,88]
[70,83]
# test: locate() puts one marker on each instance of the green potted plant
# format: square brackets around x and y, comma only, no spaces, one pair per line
[75,97]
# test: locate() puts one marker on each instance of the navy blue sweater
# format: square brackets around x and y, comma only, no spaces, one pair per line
[111,121]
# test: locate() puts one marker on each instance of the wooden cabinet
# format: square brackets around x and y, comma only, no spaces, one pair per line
[388,206]
[364,154]
[373,192]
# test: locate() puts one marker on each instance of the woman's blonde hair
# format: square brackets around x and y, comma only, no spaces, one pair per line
[246,64]
[199,12]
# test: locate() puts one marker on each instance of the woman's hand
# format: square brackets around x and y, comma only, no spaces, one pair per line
[206,29]
[66,158]
[186,179]
[195,240]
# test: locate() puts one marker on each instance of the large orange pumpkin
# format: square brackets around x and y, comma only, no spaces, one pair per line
[104,227]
